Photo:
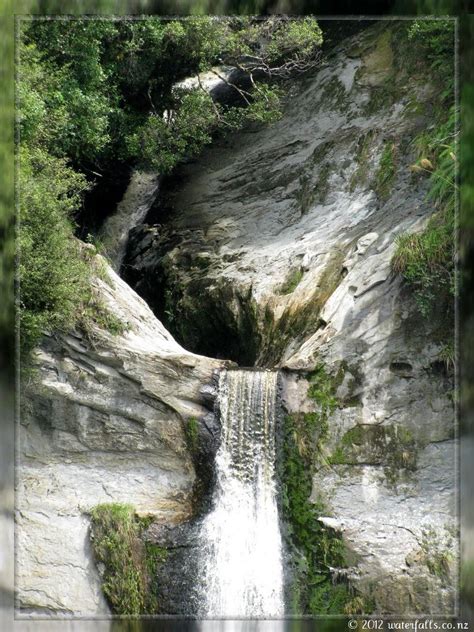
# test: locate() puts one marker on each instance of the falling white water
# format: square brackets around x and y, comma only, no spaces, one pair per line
[241,546]
[132,210]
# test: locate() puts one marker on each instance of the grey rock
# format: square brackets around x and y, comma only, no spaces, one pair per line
[290,202]
[103,421]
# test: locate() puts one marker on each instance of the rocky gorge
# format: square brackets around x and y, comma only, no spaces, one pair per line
[273,249]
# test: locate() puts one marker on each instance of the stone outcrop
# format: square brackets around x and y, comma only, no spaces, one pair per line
[258,234]
[276,251]
[104,420]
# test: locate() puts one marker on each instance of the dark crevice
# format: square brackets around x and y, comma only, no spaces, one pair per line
[101,200]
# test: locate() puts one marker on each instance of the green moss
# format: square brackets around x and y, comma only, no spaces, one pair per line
[393,447]
[336,94]
[298,321]
[304,195]
[437,555]
[378,72]
[291,282]
[362,156]
[191,432]
[315,548]
[130,564]
[386,172]
[379,62]
[308,193]
[382,97]
[321,188]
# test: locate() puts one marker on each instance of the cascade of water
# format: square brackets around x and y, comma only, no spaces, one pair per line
[131,211]
[241,546]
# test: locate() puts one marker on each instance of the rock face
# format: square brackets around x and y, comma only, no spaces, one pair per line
[260,232]
[103,421]
[276,251]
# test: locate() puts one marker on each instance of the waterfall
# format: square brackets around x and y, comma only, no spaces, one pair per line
[241,545]
[132,210]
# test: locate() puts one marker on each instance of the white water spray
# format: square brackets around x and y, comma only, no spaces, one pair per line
[241,546]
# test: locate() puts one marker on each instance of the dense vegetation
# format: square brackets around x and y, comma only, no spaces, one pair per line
[94,94]
[427,259]
[129,562]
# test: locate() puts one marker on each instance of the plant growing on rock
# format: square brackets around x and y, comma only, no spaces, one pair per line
[129,563]
[316,548]
[426,260]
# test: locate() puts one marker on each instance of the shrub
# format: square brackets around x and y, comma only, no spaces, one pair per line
[53,274]
[426,260]
[130,564]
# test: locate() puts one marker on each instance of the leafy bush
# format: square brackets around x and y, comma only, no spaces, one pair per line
[426,261]
[434,42]
[53,274]
[115,542]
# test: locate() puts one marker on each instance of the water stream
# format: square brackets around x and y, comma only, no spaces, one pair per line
[131,211]
[241,544]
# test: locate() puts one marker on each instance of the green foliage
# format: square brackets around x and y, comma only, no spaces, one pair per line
[359,177]
[162,145]
[299,38]
[434,41]
[130,564]
[115,542]
[315,548]
[323,388]
[64,99]
[426,260]
[192,432]
[53,273]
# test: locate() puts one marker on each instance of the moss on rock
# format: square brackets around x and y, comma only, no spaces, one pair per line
[391,446]
[298,320]
[316,549]
[386,171]
[129,565]
[362,158]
